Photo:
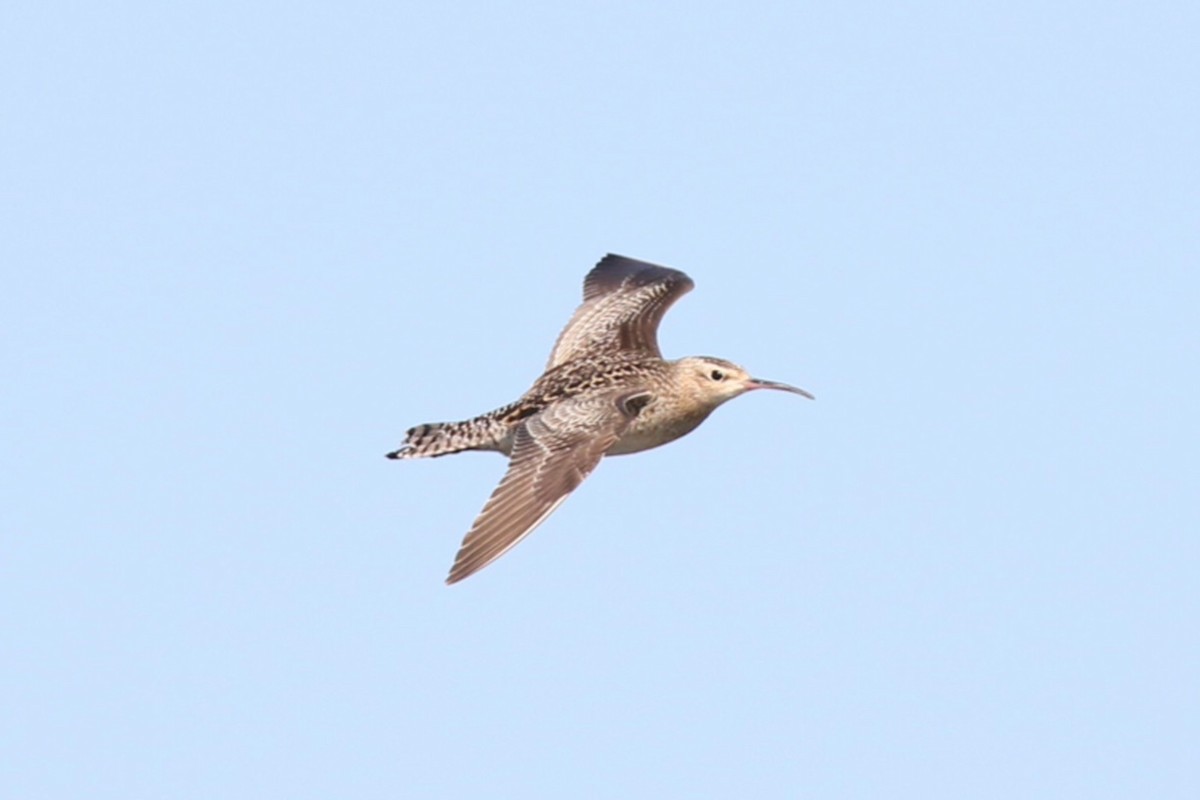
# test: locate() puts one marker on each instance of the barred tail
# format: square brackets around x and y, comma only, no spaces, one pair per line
[442,438]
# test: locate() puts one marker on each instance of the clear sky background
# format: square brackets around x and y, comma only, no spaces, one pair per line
[246,245]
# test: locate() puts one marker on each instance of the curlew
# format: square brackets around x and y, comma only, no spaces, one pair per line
[606,391]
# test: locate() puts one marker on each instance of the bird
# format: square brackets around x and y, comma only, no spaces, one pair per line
[606,390]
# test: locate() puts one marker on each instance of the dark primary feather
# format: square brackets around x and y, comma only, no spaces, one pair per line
[623,303]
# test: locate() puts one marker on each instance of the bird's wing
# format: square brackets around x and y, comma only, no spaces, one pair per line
[553,451]
[623,302]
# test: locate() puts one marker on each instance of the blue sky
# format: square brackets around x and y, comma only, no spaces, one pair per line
[245,246]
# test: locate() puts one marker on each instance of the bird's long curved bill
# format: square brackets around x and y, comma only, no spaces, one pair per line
[757,383]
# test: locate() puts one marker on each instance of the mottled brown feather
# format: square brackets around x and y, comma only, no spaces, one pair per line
[624,301]
[553,451]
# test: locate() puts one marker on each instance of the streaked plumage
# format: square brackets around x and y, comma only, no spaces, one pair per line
[606,391]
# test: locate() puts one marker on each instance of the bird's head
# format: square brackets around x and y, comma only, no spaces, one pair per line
[712,381]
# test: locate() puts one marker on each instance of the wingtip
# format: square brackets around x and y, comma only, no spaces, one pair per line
[629,261]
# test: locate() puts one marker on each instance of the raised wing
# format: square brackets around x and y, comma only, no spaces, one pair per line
[553,451]
[623,302]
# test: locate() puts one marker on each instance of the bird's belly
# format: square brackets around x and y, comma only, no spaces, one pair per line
[643,434]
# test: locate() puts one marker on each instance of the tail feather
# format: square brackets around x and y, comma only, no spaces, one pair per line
[442,438]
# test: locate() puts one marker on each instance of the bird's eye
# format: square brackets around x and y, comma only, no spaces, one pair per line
[717,375]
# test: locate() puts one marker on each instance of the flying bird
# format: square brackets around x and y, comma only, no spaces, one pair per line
[606,391]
